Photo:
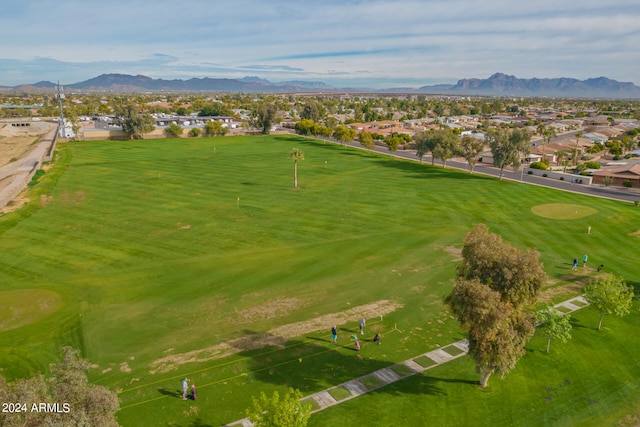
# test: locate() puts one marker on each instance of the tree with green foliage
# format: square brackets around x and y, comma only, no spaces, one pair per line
[134,124]
[67,384]
[445,145]
[263,117]
[195,132]
[554,325]
[425,143]
[578,136]
[393,142]
[214,109]
[305,127]
[469,148]
[276,412]
[296,155]
[516,274]
[344,134]
[366,140]
[173,131]
[497,330]
[609,295]
[508,147]
[495,281]
[615,148]
[214,128]
[314,111]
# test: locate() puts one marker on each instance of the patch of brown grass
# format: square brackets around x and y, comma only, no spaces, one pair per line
[276,337]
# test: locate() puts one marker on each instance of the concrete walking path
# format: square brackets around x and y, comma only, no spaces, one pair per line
[385,376]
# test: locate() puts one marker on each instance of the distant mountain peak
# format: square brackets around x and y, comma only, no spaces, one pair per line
[498,84]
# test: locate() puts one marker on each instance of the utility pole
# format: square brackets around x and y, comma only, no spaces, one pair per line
[60,97]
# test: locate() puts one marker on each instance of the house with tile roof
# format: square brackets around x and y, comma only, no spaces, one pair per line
[619,174]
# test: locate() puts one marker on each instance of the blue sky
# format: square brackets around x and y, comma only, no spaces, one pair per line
[345,43]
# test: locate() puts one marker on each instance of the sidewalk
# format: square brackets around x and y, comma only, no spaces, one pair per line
[382,377]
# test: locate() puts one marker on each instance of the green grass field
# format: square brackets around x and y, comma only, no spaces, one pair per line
[197,258]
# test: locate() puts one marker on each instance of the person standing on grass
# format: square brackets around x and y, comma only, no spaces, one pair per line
[185,387]
[377,338]
[194,393]
[584,260]
[363,323]
[575,264]
[334,334]
[357,344]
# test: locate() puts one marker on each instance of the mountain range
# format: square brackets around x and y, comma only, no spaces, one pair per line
[496,85]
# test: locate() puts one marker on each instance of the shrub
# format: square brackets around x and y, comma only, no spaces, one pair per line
[173,131]
[592,165]
[195,132]
[627,183]
[36,177]
[539,165]
[595,148]
[636,203]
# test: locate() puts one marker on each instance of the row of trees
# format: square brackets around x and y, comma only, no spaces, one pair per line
[308,127]
[444,144]
[319,107]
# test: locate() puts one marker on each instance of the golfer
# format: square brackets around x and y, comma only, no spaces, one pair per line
[185,387]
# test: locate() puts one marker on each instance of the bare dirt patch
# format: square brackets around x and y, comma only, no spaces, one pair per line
[637,233]
[16,142]
[75,198]
[270,309]
[275,337]
[25,306]
[19,201]
[549,294]
[456,253]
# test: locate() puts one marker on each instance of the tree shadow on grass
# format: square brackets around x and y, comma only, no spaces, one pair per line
[427,170]
[198,422]
[314,364]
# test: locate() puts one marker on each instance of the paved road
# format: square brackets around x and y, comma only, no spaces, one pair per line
[596,190]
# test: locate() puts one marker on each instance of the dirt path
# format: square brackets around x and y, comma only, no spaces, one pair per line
[22,149]
[275,337]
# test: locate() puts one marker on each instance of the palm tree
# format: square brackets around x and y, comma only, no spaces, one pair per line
[547,134]
[296,155]
[578,136]
[560,155]
[575,152]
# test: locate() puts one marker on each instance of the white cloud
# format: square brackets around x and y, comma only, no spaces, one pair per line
[404,41]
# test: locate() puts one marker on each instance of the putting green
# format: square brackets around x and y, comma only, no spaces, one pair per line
[563,211]
[22,307]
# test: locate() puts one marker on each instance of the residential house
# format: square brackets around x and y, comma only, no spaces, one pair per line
[619,174]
